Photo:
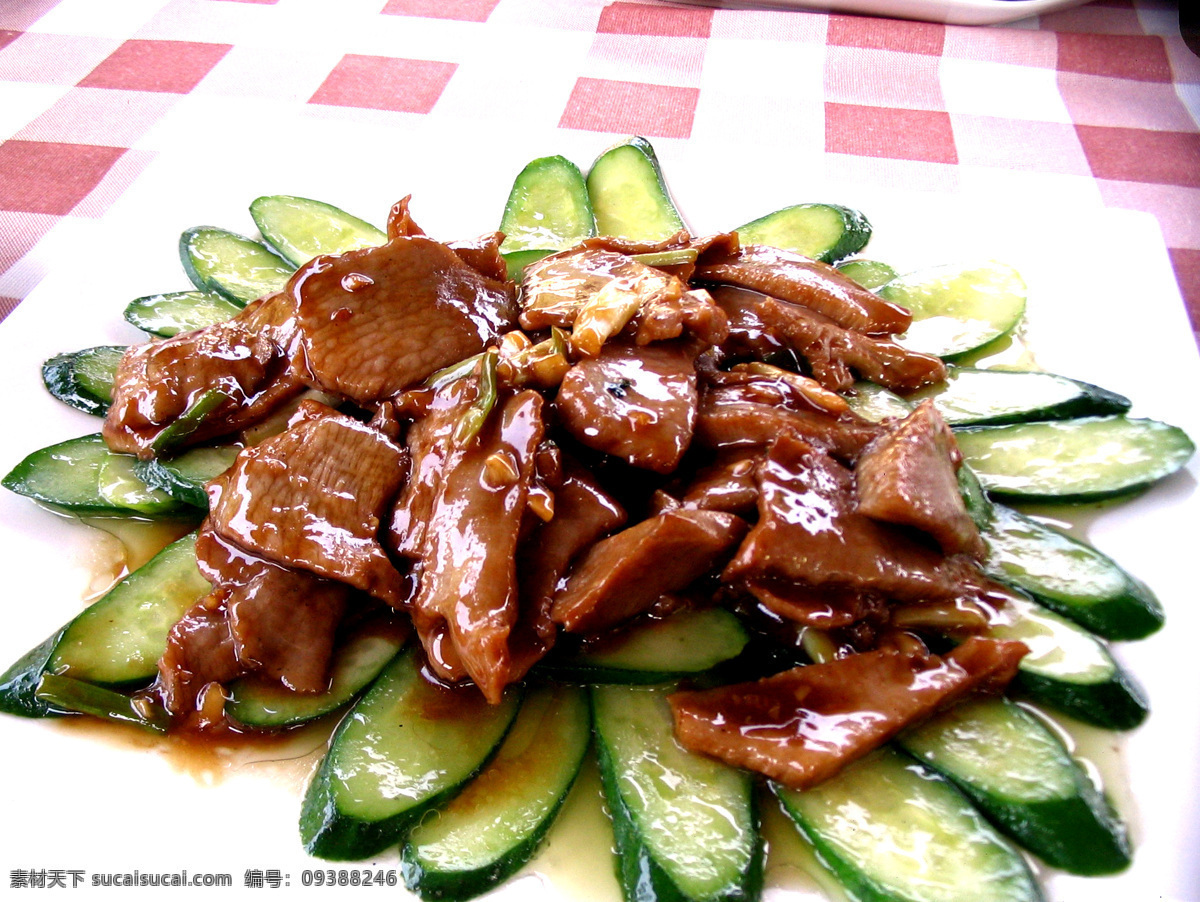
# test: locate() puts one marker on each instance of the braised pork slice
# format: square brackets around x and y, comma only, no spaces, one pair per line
[638,404]
[804,725]
[810,531]
[312,499]
[826,608]
[245,358]
[728,484]
[907,476]
[749,416]
[375,321]
[758,323]
[626,574]
[809,283]
[199,652]
[459,522]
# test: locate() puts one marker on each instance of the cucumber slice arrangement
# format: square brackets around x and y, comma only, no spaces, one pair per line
[685,825]
[487,832]
[825,232]
[469,798]
[83,379]
[629,194]
[548,209]
[395,756]
[169,314]
[1087,459]
[1023,779]
[299,229]
[893,830]
[237,267]
[957,309]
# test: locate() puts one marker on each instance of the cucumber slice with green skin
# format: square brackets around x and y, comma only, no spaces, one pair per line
[1087,459]
[1069,669]
[495,825]
[356,664]
[876,403]
[825,232]
[629,194]
[82,476]
[179,311]
[118,639]
[975,397]
[184,476]
[84,379]
[957,309]
[70,696]
[685,825]
[869,274]
[240,268]
[299,229]
[1025,782]
[405,746]
[685,644]
[1069,577]
[891,830]
[548,210]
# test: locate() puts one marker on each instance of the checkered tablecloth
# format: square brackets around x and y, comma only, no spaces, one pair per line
[1093,107]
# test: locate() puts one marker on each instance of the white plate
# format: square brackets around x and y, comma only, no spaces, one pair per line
[952,12]
[1103,307]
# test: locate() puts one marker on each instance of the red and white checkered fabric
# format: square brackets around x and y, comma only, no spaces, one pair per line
[1093,107]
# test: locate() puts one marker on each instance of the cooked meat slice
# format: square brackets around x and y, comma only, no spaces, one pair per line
[728,485]
[746,416]
[804,725]
[459,522]
[376,321]
[809,283]
[200,651]
[312,498]
[638,404]
[907,476]
[834,353]
[483,255]
[826,608]
[246,358]
[694,313]
[400,222]
[624,575]
[809,531]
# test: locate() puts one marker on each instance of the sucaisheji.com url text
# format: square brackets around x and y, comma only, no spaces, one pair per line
[182,878]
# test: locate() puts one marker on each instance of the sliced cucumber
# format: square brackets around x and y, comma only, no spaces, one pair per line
[825,232]
[487,832]
[69,696]
[240,268]
[548,210]
[1074,460]
[262,703]
[299,229]
[82,476]
[685,825]
[184,476]
[405,746]
[891,830]
[974,397]
[118,639]
[1022,778]
[1069,669]
[958,309]
[876,403]
[685,644]
[870,274]
[1069,577]
[630,196]
[84,379]
[179,311]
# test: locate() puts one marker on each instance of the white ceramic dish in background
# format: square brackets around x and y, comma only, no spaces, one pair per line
[951,12]
[1103,307]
